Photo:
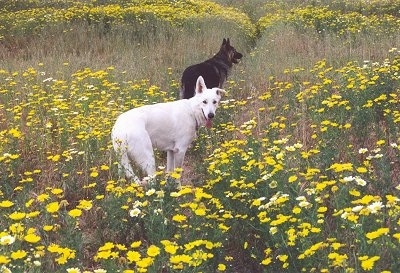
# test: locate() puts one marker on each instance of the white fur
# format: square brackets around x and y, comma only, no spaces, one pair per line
[169,126]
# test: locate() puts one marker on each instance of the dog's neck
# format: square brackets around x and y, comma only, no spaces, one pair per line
[197,114]
[223,61]
[199,118]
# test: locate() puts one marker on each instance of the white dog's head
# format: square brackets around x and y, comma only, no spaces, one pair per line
[207,100]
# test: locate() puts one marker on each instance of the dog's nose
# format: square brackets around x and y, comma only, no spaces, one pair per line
[210,115]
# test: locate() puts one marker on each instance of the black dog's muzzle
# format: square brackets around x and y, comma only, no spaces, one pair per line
[236,57]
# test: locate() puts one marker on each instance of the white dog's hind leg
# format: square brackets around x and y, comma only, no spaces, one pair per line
[125,167]
[124,164]
[143,155]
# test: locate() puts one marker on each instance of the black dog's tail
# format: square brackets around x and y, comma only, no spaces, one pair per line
[188,82]
[187,90]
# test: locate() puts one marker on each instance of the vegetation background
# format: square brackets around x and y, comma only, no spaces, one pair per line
[300,173]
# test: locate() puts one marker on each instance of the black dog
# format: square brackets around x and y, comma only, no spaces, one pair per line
[214,71]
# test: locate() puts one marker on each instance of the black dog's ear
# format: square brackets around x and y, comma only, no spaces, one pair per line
[228,42]
[220,92]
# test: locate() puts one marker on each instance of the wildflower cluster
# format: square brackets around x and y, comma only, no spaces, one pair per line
[301,176]
[177,13]
[326,20]
[279,199]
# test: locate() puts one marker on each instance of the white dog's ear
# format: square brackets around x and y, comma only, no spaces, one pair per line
[200,85]
[220,92]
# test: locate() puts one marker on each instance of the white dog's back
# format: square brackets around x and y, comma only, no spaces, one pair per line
[163,122]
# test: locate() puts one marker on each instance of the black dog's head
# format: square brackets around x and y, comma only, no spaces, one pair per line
[230,51]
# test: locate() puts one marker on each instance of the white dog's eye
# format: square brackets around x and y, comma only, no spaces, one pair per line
[205,101]
[215,102]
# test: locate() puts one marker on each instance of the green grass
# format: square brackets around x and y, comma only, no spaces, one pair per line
[299,174]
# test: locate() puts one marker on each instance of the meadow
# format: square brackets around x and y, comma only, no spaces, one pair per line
[300,173]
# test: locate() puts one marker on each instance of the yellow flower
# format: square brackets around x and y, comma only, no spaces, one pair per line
[133,256]
[6,204]
[54,158]
[391,200]
[146,262]
[280,219]
[366,199]
[176,174]
[120,247]
[17,228]
[266,261]
[29,202]
[42,197]
[94,174]
[19,254]
[75,213]
[53,207]
[85,204]
[32,238]
[171,249]
[292,179]
[103,255]
[176,259]
[107,246]
[48,227]
[221,267]
[136,244]
[57,191]
[337,259]
[375,234]
[17,216]
[179,218]
[282,258]
[33,214]
[65,255]
[200,211]
[296,210]
[337,245]
[153,251]
[15,133]
[368,263]
[362,170]
[380,142]
[4,259]
[340,167]
[354,192]
[73,270]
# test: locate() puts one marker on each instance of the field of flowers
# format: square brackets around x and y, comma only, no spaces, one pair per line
[300,176]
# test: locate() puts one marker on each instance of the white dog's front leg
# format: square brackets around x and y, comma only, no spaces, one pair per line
[179,157]
[170,161]
[175,159]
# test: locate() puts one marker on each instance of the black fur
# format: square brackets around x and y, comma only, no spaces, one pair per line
[214,71]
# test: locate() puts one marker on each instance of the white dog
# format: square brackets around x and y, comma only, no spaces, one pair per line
[169,126]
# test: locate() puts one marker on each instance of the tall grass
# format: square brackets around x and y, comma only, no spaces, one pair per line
[299,174]
[131,50]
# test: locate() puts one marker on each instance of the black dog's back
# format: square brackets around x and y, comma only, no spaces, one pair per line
[214,70]
[208,70]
